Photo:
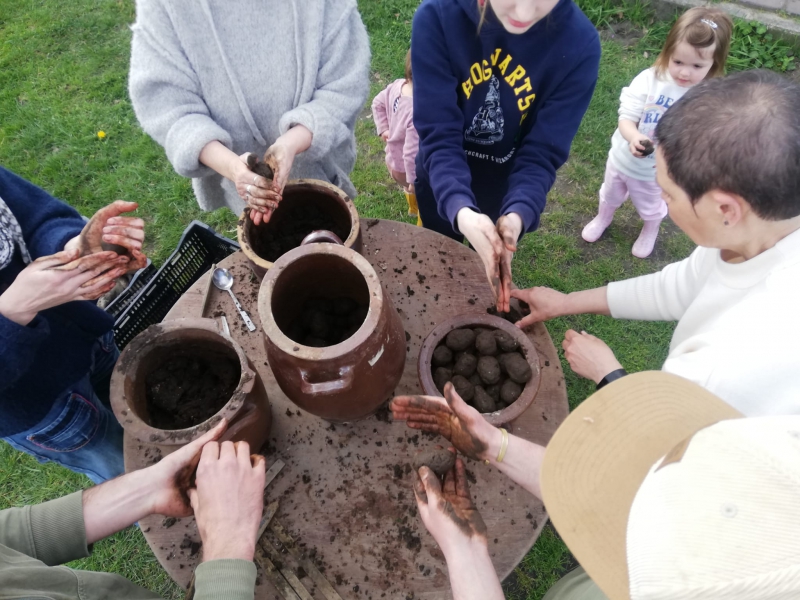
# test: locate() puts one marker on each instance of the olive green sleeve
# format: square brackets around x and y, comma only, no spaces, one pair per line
[225,579]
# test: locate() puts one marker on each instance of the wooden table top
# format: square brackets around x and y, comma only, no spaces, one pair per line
[346,490]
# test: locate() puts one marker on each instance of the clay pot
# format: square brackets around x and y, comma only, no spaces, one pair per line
[325,197]
[247,411]
[436,336]
[349,380]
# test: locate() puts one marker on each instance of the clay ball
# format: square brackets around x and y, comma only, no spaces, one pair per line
[442,356]
[510,391]
[441,376]
[437,459]
[465,365]
[489,369]
[518,368]
[486,343]
[493,391]
[459,340]
[463,387]
[505,341]
[483,401]
[475,379]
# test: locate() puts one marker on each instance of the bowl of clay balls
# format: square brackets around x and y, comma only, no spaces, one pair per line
[491,363]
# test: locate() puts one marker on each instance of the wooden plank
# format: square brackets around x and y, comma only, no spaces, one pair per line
[287,572]
[273,575]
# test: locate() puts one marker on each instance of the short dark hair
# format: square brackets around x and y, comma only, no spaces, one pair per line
[739,134]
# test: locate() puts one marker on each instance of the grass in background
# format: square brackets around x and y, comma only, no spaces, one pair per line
[63,77]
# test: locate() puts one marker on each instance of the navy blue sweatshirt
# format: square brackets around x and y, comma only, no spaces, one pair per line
[41,360]
[496,112]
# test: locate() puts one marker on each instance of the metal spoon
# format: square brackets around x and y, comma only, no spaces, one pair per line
[224,281]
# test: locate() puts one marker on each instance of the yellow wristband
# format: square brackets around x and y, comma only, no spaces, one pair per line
[503,447]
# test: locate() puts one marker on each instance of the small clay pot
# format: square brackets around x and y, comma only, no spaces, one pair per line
[348,380]
[527,348]
[247,411]
[321,195]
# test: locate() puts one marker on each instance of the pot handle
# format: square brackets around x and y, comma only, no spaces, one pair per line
[321,236]
[344,382]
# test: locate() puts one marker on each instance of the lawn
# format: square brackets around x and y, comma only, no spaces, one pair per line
[63,74]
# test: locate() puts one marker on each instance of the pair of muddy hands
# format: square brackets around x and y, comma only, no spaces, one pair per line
[447,509]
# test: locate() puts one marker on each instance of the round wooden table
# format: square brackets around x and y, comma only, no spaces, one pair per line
[346,491]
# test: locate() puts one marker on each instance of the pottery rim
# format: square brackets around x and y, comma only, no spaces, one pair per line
[343,199]
[434,338]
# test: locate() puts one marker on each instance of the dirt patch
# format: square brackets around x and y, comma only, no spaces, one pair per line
[190,386]
[325,321]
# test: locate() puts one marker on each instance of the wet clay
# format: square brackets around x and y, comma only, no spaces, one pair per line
[649,148]
[190,386]
[486,366]
[325,321]
[290,224]
[438,459]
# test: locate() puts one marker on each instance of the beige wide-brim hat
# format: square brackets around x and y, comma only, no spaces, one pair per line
[601,454]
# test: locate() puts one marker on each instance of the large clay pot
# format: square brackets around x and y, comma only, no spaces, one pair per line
[247,411]
[321,195]
[349,380]
[435,337]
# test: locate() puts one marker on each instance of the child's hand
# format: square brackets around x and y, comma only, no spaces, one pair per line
[641,146]
[385,136]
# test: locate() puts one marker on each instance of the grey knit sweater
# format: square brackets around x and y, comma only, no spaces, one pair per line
[243,72]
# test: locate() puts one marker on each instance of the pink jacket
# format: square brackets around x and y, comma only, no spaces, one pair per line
[394,112]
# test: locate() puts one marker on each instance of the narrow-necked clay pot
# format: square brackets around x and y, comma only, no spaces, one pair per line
[247,411]
[346,381]
[325,196]
[436,336]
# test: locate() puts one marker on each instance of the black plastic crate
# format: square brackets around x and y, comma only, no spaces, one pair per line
[199,248]
[137,282]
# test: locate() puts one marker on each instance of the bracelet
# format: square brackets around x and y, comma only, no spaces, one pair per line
[613,376]
[503,447]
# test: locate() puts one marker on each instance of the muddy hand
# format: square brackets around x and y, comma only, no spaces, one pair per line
[108,230]
[453,419]
[544,304]
[448,511]
[509,228]
[589,356]
[483,237]
[228,500]
[173,476]
[254,188]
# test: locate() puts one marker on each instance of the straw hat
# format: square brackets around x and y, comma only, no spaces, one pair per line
[716,518]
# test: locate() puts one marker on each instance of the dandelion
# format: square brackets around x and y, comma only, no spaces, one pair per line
[101,135]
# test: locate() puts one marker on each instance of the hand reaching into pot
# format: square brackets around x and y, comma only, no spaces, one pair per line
[63,277]
[451,517]
[108,230]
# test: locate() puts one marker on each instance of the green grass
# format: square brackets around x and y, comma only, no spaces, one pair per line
[63,73]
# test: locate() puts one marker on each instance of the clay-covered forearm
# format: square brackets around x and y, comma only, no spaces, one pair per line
[225,579]
[52,532]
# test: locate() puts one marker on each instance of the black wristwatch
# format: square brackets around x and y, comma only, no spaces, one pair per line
[613,376]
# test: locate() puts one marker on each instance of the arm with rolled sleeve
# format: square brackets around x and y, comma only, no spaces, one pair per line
[342,85]
[546,146]
[165,92]
[662,296]
[437,117]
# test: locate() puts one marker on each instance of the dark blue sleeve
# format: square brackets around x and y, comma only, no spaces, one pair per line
[437,116]
[47,224]
[18,345]
[546,146]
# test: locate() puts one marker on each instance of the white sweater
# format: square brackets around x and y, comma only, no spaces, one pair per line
[643,102]
[738,332]
[243,73]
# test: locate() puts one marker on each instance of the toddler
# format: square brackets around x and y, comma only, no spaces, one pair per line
[393,111]
[696,48]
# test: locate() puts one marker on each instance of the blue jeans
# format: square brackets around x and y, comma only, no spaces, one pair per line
[81,432]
